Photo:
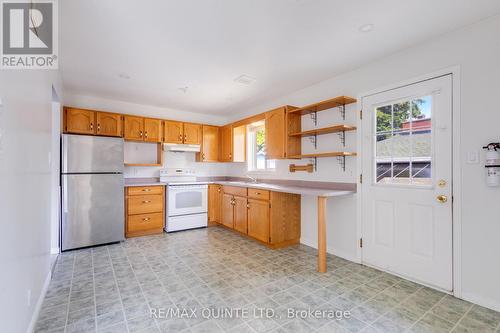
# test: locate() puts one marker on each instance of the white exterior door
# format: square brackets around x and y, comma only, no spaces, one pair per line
[407,174]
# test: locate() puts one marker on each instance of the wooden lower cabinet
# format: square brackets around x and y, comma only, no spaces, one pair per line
[227,214]
[214,204]
[144,210]
[240,214]
[272,218]
[258,219]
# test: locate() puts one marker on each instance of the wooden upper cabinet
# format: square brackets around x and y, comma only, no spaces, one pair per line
[275,133]
[240,214]
[133,128]
[152,130]
[239,143]
[79,121]
[226,144]
[279,123]
[209,145]
[192,134]
[258,219]
[174,132]
[108,124]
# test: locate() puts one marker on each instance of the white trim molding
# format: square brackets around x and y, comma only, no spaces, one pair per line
[39,302]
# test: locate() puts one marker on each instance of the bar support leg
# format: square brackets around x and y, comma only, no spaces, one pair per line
[322,234]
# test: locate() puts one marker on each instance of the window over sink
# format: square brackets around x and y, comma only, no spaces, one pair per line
[256,148]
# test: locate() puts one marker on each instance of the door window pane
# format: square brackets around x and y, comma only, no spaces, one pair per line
[403,142]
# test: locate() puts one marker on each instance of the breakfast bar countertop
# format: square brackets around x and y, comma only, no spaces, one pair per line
[322,189]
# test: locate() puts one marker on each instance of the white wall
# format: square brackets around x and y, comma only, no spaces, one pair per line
[476,49]
[25,193]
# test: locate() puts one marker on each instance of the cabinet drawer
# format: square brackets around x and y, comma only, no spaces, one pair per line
[142,190]
[240,191]
[142,204]
[258,194]
[144,222]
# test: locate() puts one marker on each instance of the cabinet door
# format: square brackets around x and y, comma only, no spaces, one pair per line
[109,124]
[240,214]
[192,134]
[239,144]
[152,130]
[79,121]
[174,132]
[275,133]
[210,144]
[226,144]
[133,128]
[214,203]
[227,216]
[258,219]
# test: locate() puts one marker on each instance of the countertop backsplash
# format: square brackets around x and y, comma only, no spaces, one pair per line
[178,160]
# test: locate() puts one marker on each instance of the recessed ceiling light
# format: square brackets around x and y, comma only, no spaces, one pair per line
[366,27]
[245,79]
[183,89]
[124,76]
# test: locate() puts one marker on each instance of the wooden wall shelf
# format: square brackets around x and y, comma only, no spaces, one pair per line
[324,105]
[159,159]
[325,130]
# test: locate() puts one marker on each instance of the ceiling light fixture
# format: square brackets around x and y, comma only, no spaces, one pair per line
[124,76]
[245,79]
[183,89]
[366,27]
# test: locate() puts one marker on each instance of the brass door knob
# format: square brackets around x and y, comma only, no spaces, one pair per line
[442,198]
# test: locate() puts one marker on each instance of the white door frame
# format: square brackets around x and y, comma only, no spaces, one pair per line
[456,167]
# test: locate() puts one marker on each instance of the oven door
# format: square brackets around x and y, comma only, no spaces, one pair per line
[187,199]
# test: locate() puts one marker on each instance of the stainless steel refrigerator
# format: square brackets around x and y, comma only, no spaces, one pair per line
[92,191]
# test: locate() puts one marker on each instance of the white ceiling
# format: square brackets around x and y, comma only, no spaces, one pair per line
[286,45]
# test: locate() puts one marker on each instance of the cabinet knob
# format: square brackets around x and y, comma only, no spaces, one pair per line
[91,126]
[146,201]
[180,137]
[98,127]
[146,190]
[140,134]
[146,219]
[248,206]
[146,134]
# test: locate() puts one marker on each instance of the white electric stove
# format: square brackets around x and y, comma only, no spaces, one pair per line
[186,200]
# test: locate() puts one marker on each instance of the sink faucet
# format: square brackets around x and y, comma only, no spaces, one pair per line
[254,180]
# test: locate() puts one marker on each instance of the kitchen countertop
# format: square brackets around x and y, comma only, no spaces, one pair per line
[335,189]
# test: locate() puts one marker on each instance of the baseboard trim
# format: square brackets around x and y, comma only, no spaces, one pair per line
[54,250]
[39,302]
[339,253]
[482,301]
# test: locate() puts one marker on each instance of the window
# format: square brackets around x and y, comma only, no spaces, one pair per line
[256,150]
[403,142]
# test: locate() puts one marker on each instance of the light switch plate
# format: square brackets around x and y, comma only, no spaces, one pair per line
[473,157]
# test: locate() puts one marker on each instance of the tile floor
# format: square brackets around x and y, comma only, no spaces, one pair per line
[112,289]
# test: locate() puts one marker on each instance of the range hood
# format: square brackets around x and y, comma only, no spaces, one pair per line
[181,147]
